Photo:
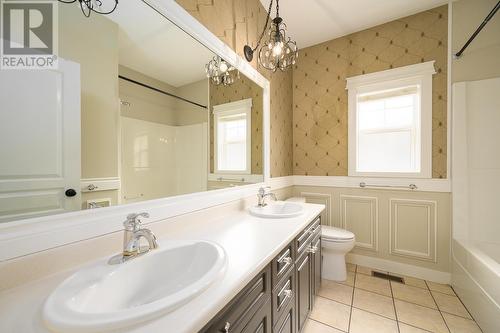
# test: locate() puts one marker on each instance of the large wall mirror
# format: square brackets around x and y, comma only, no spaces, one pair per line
[129,115]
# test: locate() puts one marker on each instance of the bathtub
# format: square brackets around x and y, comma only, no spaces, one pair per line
[476,280]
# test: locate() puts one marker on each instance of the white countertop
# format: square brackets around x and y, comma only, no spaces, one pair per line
[250,244]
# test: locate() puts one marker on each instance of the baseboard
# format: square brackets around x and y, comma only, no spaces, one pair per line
[400,268]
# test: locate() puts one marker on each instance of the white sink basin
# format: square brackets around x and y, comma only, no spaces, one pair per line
[277,209]
[104,297]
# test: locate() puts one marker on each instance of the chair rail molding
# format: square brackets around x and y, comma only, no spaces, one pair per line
[423,185]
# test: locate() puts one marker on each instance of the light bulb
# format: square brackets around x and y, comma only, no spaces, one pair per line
[277,49]
[223,67]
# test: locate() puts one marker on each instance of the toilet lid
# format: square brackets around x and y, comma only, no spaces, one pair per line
[336,233]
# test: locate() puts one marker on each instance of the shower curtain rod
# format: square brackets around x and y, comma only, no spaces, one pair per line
[161,91]
[481,26]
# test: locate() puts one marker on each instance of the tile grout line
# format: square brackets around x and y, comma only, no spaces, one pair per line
[394,305]
[420,328]
[436,308]
[470,314]
[322,323]
[377,314]
[333,300]
[355,272]
[440,313]
[358,308]
[352,300]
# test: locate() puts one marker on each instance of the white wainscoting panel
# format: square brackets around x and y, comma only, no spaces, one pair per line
[324,199]
[413,228]
[359,214]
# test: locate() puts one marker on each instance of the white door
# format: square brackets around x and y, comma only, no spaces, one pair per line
[39,141]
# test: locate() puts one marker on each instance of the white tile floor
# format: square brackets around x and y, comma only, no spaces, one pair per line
[366,304]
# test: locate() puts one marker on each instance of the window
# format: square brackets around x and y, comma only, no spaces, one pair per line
[390,122]
[232,133]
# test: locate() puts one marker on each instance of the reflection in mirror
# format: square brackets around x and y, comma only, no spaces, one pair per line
[128,115]
[235,133]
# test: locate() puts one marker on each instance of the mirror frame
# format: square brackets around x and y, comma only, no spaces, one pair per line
[28,236]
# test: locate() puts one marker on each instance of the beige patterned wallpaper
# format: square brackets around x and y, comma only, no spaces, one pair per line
[238,22]
[320,97]
[242,89]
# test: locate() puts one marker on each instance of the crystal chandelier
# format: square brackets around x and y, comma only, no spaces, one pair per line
[279,51]
[221,72]
[97,6]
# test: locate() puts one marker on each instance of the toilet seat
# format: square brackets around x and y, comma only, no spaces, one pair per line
[336,234]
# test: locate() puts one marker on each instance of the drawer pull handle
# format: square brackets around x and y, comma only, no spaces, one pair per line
[286,260]
[313,231]
[226,327]
[288,293]
[312,249]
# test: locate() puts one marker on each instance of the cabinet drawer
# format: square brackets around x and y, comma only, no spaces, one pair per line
[316,229]
[282,263]
[283,294]
[288,320]
[237,314]
[260,322]
[303,240]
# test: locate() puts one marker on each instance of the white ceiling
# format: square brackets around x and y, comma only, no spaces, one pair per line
[311,22]
[152,45]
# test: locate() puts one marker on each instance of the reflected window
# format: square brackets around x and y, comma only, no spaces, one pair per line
[232,146]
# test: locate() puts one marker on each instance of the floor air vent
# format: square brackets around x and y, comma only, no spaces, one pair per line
[388,277]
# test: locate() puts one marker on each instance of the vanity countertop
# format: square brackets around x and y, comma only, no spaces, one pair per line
[250,244]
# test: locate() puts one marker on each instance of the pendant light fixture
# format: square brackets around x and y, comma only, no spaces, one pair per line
[96,6]
[279,51]
[220,72]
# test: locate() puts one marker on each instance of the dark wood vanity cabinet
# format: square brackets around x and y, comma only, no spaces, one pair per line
[250,309]
[308,264]
[278,299]
[304,287]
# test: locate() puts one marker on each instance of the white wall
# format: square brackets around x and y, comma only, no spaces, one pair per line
[481,59]
[476,161]
[191,158]
[160,160]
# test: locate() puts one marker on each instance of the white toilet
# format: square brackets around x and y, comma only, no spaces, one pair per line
[335,244]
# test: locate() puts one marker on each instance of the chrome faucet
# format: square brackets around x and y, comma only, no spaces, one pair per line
[263,193]
[132,239]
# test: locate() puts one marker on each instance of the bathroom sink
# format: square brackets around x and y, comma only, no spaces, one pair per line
[104,297]
[277,209]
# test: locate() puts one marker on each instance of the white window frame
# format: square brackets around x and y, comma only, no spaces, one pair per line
[233,108]
[418,74]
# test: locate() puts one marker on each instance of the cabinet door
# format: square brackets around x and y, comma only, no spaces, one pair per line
[261,321]
[303,289]
[317,266]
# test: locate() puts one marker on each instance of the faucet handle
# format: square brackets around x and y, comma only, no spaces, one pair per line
[134,221]
[263,189]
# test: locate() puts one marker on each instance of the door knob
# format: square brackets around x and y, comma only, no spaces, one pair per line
[70,192]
